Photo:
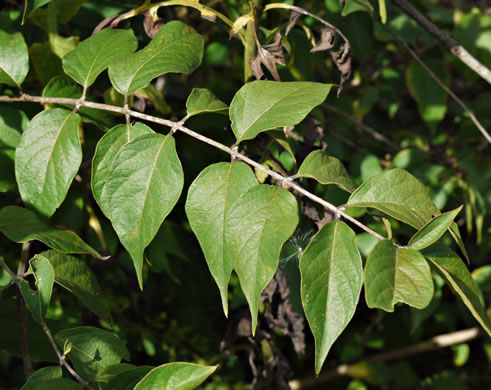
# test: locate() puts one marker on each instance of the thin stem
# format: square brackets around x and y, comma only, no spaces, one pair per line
[443,86]
[62,358]
[14,277]
[178,126]
[455,48]
[437,342]
[22,313]
[374,133]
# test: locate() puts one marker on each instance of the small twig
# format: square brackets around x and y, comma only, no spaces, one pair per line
[437,342]
[62,358]
[455,48]
[443,86]
[374,133]
[234,153]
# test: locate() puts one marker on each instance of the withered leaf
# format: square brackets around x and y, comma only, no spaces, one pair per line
[152,23]
[328,36]
[342,59]
[294,15]
[269,55]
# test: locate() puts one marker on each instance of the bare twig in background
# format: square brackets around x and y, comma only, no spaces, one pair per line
[440,83]
[455,48]
[374,133]
[437,342]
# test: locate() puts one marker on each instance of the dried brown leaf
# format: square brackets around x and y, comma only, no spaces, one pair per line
[152,23]
[328,36]
[269,55]
[342,59]
[294,15]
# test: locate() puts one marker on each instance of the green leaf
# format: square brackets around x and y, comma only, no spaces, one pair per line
[76,276]
[397,193]
[203,100]
[431,99]
[176,48]
[7,174]
[325,169]
[332,276]
[451,267]
[395,275]
[433,230]
[44,374]
[455,233]
[14,60]
[264,105]
[211,197]
[63,86]
[382,10]
[357,5]
[31,5]
[143,186]
[111,371]
[22,225]
[38,301]
[57,383]
[127,380]
[256,227]
[47,159]
[93,56]
[12,123]
[175,376]
[92,349]
[106,150]
[280,138]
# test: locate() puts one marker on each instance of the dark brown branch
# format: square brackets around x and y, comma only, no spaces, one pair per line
[437,342]
[455,48]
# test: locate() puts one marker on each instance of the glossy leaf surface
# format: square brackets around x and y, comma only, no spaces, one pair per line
[264,105]
[202,100]
[107,149]
[14,60]
[143,186]
[22,225]
[451,267]
[397,193]
[93,56]
[75,275]
[173,376]
[127,380]
[211,196]
[433,230]
[325,169]
[256,228]
[332,276]
[92,349]
[176,48]
[38,301]
[395,275]
[47,159]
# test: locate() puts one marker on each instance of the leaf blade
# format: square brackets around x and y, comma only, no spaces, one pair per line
[329,295]
[14,59]
[397,193]
[92,56]
[182,376]
[139,196]
[433,230]
[202,100]
[176,48]
[271,215]
[210,197]
[47,159]
[20,225]
[264,105]
[326,170]
[395,275]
